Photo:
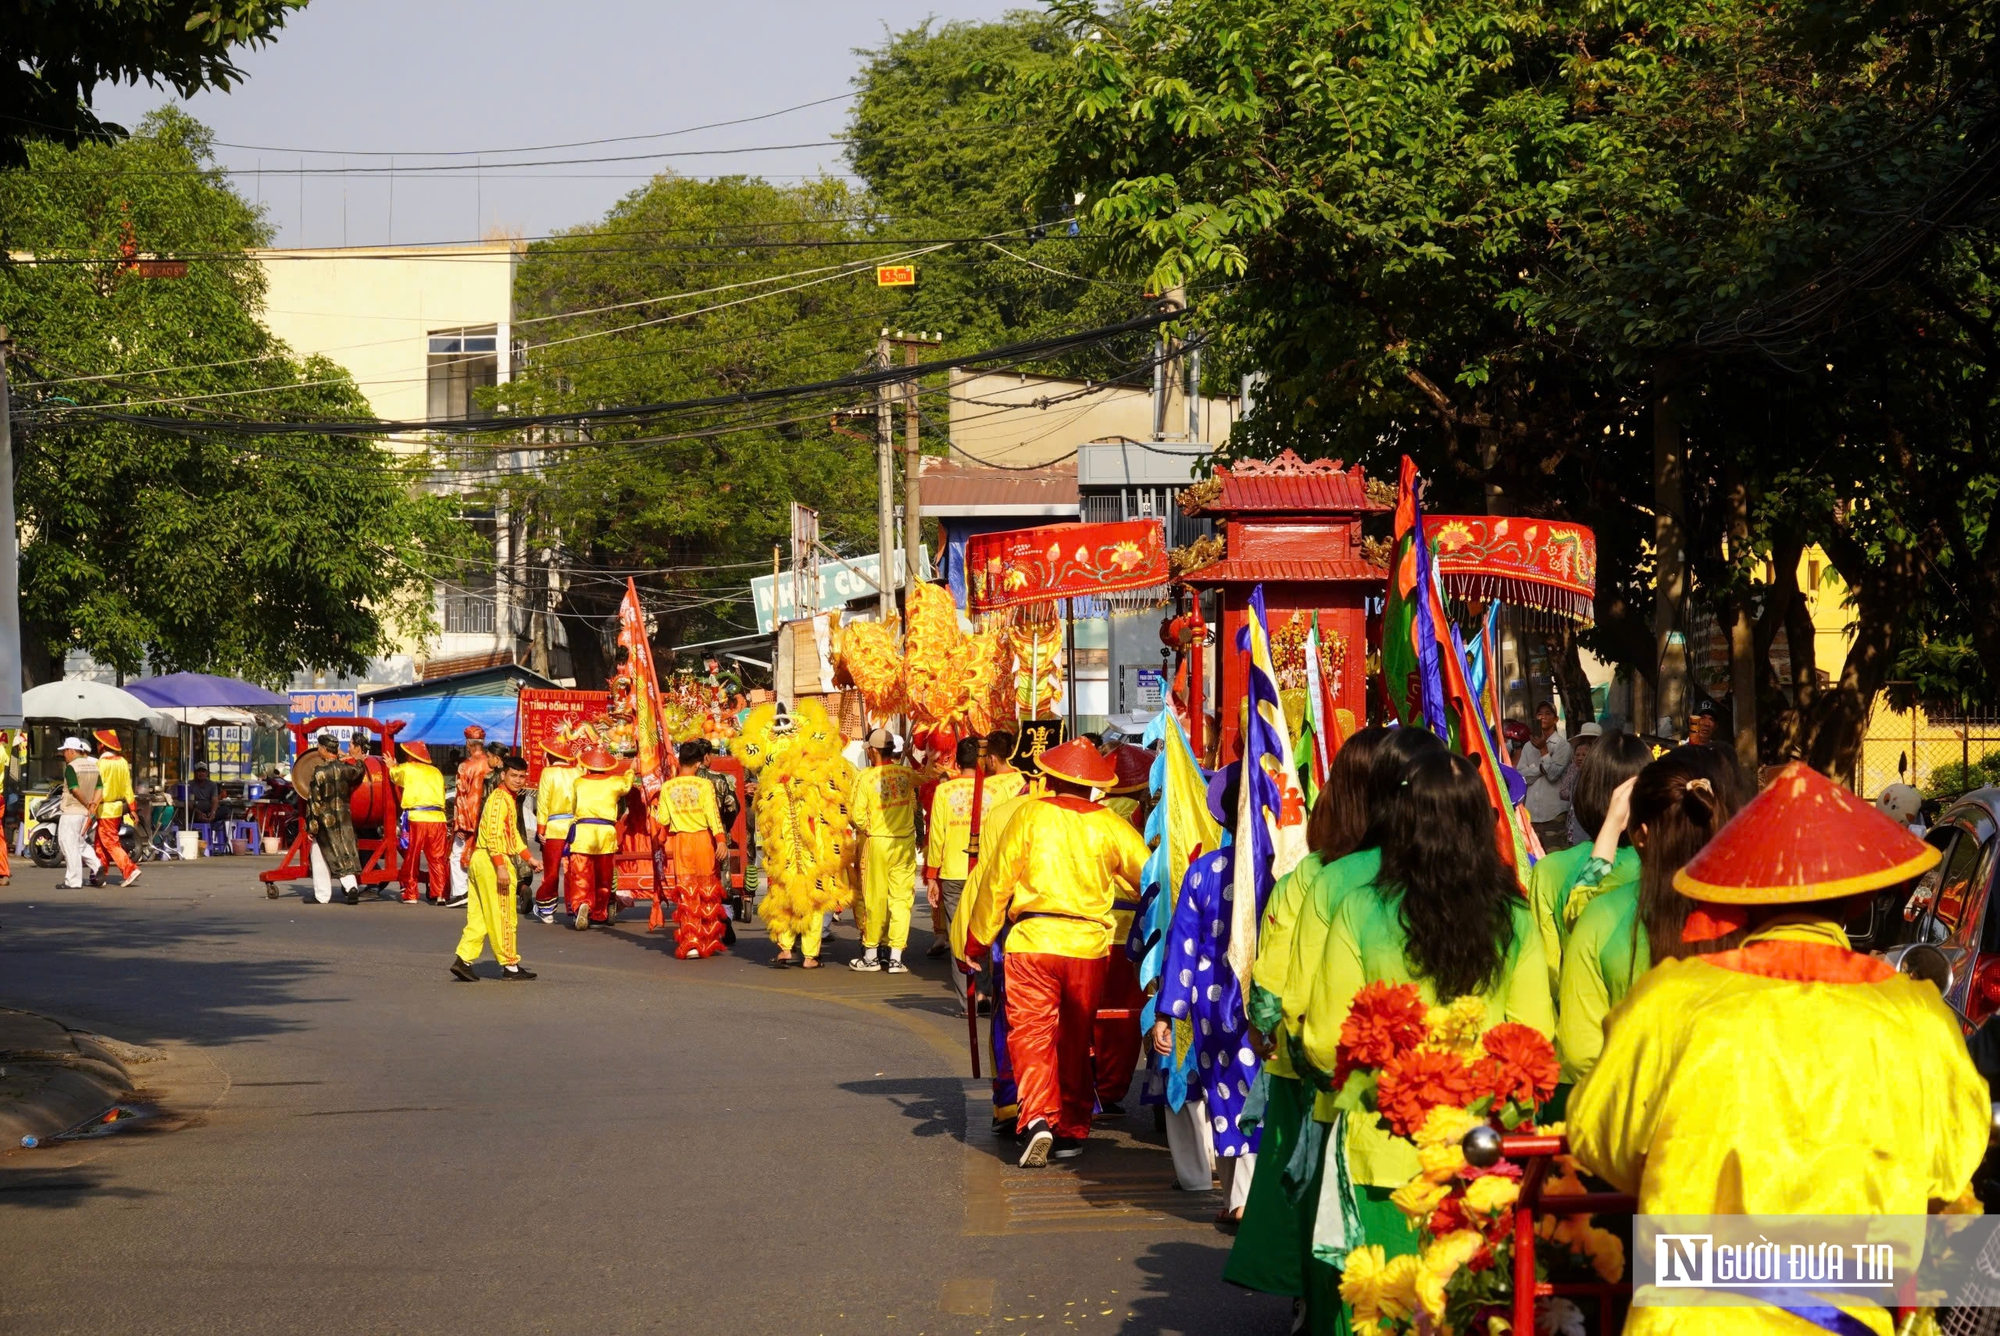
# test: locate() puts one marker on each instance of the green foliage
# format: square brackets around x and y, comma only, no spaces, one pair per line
[193,551]
[950,147]
[54,53]
[1954,779]
[709,489]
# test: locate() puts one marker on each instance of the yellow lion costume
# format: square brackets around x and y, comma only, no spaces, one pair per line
[803,827]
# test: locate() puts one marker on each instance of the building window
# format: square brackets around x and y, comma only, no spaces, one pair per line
[470,599]
[462,362]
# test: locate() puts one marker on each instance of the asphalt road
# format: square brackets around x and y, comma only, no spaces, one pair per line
[629,1143]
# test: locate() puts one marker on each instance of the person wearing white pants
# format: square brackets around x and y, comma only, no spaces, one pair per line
[1196,1164]
[77,822]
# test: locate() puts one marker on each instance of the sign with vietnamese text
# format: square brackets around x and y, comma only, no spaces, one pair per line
[229,750]
[840,582]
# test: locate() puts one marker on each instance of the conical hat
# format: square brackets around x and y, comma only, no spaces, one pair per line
[419,751]
[1802,839]
[107,738]
[1135,768]
[599,761]
[559,748]
[1079,763]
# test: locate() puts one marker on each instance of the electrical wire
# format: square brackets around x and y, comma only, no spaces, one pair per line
[533,148]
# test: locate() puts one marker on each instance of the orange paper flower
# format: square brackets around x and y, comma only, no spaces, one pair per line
[1383,1021]
[1414,1083]
[1520,1063]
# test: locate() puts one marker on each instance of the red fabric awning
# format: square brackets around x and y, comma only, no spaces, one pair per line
[1005,570]
[1550,565]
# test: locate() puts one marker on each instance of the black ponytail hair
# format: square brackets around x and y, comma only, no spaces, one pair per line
[1341,818]
[1457,903]
[1682,799]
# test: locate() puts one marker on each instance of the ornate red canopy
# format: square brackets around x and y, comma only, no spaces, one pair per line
[1548,565]
[1005,570]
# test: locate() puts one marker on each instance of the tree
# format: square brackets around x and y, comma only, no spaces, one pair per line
[948,148]
[178,545]
[54,53]
[685,290]
[1525,241]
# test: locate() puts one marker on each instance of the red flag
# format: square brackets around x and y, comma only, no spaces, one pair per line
[650,766]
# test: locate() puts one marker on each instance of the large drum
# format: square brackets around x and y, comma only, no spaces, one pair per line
[374,802]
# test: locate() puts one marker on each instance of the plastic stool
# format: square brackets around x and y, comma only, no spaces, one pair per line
[216,833]
[245,831]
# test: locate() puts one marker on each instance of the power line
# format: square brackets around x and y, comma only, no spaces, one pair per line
[533,148]
[1025,350]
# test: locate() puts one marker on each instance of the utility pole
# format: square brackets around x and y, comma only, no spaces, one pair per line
[10,560]
[885,480]
[913,346]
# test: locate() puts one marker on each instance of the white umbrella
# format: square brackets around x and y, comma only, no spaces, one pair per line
[76,700]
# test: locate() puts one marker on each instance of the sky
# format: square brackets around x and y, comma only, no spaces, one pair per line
[348,81]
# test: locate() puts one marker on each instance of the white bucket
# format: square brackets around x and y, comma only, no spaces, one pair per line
[190,841]
[273,844]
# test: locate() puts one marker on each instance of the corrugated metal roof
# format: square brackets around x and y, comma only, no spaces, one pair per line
[1240,570]
[1298,492]
[951,488]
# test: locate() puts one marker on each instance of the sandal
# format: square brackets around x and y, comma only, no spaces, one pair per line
[809,963]
[783,961]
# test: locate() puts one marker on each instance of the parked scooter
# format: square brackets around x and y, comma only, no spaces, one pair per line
[46,849]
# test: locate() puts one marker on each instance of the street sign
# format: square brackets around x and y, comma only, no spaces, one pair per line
[895,275]
[161,268]
[839,582]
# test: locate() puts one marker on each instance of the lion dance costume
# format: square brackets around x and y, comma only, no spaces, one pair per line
[803,824]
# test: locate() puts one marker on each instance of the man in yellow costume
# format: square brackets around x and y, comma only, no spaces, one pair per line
[692,822]
[115,798]
[950,831]
[489,908]
[1751,1081]
[420,791]
[593,838]
[884,810]
[1051,881]
[555,808]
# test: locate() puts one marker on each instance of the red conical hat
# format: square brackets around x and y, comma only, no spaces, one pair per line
[1135,769]
[107,738]
[559,749]
[417,751]
[599,761]
[1079,763]
[1802,839]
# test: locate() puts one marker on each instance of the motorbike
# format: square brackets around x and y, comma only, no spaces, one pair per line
[45,848]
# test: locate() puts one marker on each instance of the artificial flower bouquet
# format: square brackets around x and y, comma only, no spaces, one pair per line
[1432,1074]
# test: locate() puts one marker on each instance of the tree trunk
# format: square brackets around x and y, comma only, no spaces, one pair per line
[585,612]
[1742,631]
[1836,717]
[1566,667]
[1669,562]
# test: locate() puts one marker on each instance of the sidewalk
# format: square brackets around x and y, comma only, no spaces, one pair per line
[53,1077]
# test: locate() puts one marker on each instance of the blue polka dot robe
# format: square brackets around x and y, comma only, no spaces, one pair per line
[1197,985]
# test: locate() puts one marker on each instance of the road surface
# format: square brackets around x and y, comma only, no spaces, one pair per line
[630,1143]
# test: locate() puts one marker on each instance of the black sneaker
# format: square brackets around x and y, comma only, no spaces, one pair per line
[517,972]
[352,896]
[1112,1109]
[1067,1148]
[461,970]
[1040,1142]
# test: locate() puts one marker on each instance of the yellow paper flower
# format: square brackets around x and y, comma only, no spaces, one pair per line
[1445,1126]
[1458,1025]
[1399,1287]
[1491,1195]
[1361,1281]
[1440,1164]
[1606,1252]
[1418,1198]
[1440,1262]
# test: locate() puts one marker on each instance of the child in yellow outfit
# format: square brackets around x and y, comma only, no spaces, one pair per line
[884,808]
[489,908]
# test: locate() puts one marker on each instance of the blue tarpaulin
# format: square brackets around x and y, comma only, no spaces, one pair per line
[442,719]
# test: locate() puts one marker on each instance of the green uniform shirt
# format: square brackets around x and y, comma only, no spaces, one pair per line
[1288,953]
[1551,886]
[1605,955]
[1366,944]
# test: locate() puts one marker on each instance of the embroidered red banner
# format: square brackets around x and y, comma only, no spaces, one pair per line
[1004,570]
[1550,565]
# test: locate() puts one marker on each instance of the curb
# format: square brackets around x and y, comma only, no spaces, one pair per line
[53,1077]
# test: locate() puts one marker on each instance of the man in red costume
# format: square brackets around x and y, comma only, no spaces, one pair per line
[1115,1042]
[1057,872]
[691,825]
[468,799]
[593,838]
[420,791]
